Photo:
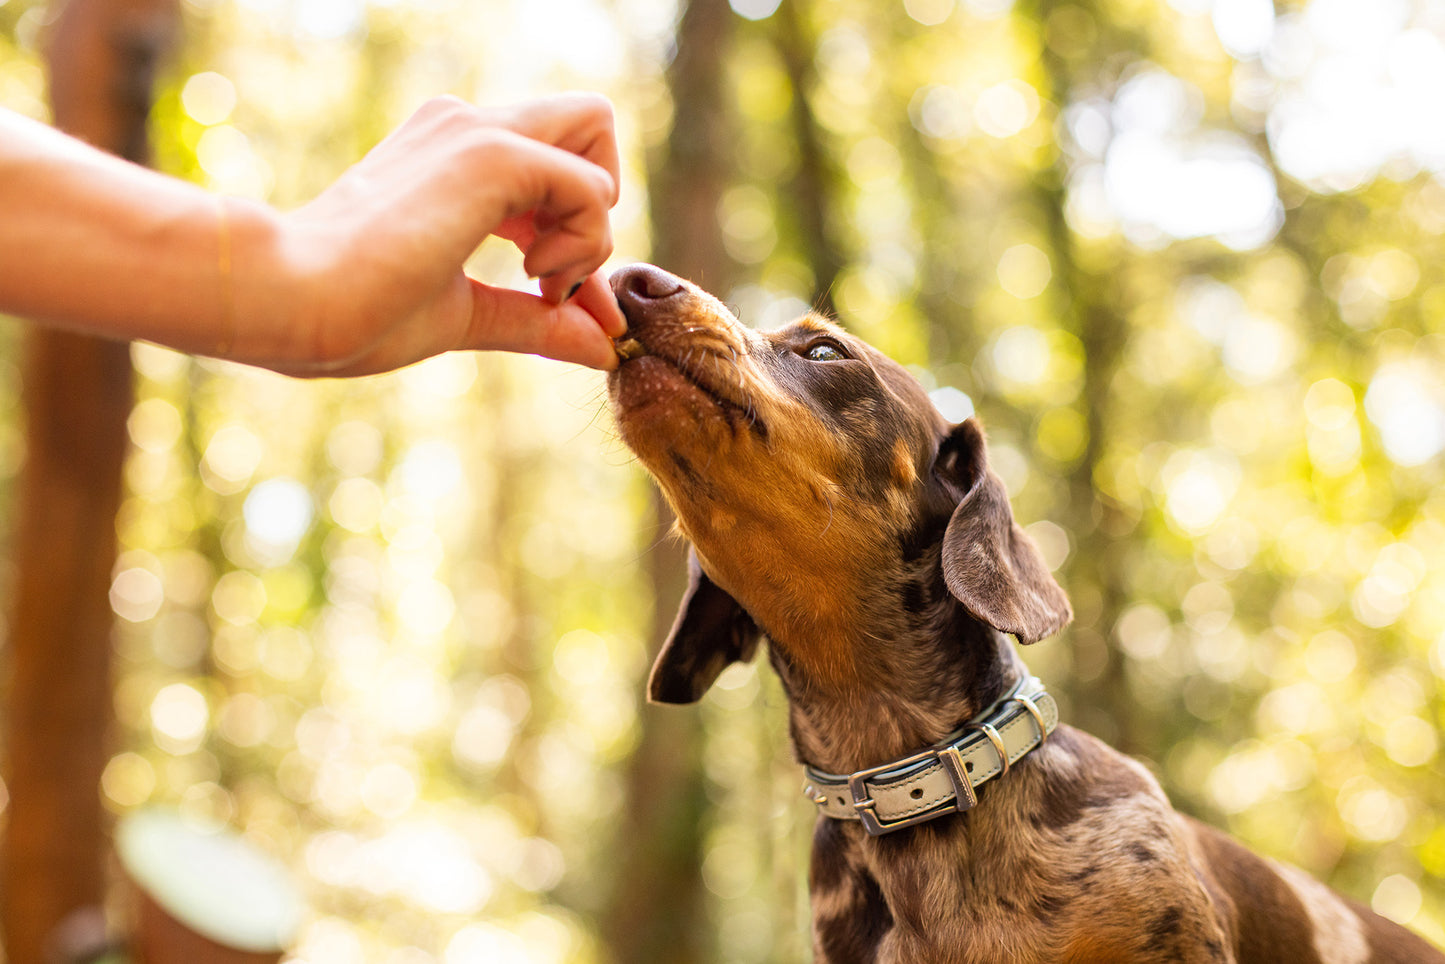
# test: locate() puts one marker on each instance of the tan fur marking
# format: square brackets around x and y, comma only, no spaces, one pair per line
[905,473]
[1093,948]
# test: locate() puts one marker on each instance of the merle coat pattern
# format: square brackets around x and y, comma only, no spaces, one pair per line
[833,510]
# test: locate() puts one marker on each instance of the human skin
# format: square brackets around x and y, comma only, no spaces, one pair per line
[367,277]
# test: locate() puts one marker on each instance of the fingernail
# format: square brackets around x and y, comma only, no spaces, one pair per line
[572,291]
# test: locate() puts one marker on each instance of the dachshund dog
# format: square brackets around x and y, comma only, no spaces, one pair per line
[831,508]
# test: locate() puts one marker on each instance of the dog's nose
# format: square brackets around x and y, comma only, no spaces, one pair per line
[642,287]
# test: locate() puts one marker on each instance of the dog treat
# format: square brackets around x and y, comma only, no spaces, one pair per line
[629,348]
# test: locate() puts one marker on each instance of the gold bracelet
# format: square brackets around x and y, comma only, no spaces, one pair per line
[223,268]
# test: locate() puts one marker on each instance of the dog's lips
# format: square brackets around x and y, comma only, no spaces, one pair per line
[650,380]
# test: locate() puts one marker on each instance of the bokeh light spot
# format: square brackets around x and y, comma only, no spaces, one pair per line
[128,780]
[231,457]
[1398,898]
[209,98]
[1406,403]
[278,513]
[930,13]
[1024,271]
[1005,109]
[136,594]
[179,715]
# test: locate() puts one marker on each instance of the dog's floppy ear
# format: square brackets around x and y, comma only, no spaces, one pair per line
[711,632]
[989,563]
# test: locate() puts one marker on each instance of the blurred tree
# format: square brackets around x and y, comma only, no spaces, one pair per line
[103,56]
[1091,306]
[814,185]
[657,911]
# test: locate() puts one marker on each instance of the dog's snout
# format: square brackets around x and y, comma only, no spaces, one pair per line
[642,287]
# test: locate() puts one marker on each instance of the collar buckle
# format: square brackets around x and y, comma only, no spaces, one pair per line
[952,764]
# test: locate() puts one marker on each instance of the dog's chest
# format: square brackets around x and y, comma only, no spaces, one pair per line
[1021,879]
[1019,912]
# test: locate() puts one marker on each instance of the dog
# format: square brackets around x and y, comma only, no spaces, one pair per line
[831,508]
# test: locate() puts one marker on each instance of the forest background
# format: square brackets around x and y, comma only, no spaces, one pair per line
[1184,258]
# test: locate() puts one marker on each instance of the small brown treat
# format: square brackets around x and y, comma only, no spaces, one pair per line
[629,348]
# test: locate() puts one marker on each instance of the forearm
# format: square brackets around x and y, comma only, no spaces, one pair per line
[368,277]
[92,243]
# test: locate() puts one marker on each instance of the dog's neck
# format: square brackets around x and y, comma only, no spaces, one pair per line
[925,667]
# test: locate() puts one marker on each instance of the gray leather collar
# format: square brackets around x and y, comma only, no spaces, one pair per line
[941,779]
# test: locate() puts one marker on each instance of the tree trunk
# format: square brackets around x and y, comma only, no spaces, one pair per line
[658,911]
[815,184]
[77,397]
[1099,314]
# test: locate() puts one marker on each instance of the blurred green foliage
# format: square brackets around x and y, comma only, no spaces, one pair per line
[1185,259]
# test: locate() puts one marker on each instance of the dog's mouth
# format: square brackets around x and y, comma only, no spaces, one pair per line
[683,357]
[697,371]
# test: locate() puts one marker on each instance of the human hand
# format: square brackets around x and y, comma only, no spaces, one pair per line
[379,255]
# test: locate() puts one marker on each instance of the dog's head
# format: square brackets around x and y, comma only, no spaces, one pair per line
[807,469]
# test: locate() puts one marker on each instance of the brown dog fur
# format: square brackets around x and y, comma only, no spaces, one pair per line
[832,509]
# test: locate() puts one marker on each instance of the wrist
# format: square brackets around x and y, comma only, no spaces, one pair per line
[275,275]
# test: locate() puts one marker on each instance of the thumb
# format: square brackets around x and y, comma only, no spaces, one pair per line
[504,319]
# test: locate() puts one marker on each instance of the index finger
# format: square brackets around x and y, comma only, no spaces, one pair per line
[579,122]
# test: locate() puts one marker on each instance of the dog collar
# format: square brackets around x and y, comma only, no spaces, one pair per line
[941,779]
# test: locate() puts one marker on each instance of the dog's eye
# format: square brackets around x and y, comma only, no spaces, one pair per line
[824,352]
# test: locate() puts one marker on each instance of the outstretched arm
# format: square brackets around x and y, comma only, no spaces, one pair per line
[366,278]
